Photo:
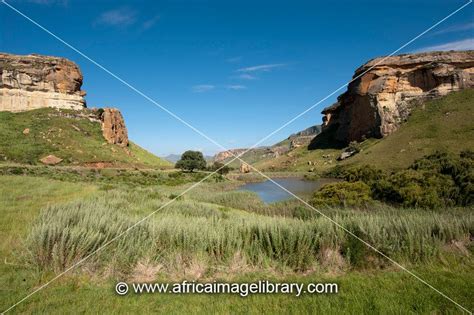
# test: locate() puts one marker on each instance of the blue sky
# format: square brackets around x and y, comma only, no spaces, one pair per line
[236,70]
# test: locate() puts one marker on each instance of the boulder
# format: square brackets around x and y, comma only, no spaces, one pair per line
[244,168]
[51,160]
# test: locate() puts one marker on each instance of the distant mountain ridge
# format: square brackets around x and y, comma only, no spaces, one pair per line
[295,140]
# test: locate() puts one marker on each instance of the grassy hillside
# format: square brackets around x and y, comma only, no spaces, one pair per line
[67,135]
[443,124]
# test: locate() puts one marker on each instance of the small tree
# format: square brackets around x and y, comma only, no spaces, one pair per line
[191,160]
[221,168]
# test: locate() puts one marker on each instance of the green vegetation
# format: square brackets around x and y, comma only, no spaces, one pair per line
[213,233]
[67,134]
[191,160]
[345,194]
[220,168]
[437,180]
[112,177]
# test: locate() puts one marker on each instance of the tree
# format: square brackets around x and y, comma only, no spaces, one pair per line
[221,168]
[191,160]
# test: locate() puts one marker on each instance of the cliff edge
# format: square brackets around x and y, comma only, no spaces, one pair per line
[377,102]
[34,81]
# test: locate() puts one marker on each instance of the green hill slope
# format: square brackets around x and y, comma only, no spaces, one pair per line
[67,135]
[443,124]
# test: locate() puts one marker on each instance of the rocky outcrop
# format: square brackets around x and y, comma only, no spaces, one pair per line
[244,168]
[304,137]
[224,155]
[308,132]
[113,127]
[377,102]
[34,81]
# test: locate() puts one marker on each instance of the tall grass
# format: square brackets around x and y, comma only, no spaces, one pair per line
[188,231]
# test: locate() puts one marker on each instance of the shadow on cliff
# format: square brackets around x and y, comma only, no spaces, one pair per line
[327,140]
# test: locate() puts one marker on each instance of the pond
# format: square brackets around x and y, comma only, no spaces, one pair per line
[269,192]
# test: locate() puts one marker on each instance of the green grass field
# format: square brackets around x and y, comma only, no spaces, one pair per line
[213,233]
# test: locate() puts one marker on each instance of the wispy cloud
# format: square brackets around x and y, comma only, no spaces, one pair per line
[456,28]
[234,59]
[150,22]
[201,88]
[120,17]
[466,44]
[266,67]
[235,87]
[50,2]
[246,76]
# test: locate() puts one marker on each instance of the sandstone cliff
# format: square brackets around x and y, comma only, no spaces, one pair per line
[375,104]
[33,81]
[113,127]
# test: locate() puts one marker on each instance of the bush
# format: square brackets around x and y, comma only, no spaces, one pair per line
[343,194]
[437,180]
[221,168]
[419,189]
[459,169]
[364,173]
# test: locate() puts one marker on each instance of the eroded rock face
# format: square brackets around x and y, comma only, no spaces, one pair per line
[113,127]
[34,81]
[244,168]
[221,156]
[382,98]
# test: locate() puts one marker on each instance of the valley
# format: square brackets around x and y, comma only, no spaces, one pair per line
[72,183]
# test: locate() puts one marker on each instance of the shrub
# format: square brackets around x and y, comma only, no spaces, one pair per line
[221,168]
[356,194]
[364,173]
[354,146]
[437,180]
[459,169]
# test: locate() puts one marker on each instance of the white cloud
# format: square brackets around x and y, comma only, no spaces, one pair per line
[456,28]
[120,17]
[203,88]
[235,87]
[150,22]
[466,44]
[266,67]
[234,59]
[246,76]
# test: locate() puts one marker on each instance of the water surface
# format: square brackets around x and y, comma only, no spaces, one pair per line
[269,192]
